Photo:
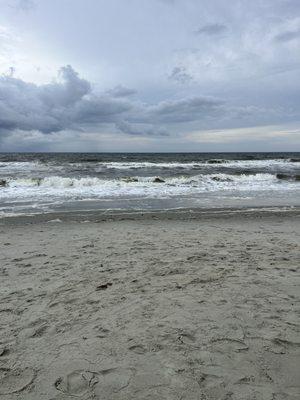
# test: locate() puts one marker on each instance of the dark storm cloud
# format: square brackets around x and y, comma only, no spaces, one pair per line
[211,29]
[287,36]
[67,103]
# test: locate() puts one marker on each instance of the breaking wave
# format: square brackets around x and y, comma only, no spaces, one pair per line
[41,182]
[94,164]
[93,187]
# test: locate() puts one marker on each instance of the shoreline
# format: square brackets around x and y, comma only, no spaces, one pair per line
[162,214]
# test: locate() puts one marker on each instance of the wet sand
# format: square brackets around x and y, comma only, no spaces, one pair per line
[181,306]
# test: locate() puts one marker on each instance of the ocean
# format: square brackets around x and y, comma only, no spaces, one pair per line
[32,183]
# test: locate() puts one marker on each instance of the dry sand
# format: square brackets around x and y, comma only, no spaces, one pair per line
[158,307]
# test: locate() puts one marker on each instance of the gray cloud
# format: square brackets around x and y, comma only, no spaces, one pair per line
[211,29]
[70,103]
[245,53]
[121,91]
[67,103]
[180,75]
[186,110]
[141,129]
[287,36]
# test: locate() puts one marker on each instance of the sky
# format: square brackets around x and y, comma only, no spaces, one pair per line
[149,75]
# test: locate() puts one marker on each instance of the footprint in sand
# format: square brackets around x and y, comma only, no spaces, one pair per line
[281,346]
[77,383]
[39,331]
[15,380]
[80,383]
[186,338]
[211,381]
[112,381]
[138,349]
[225,345]
[4,350]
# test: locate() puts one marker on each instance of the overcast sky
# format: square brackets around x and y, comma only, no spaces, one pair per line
[149,75]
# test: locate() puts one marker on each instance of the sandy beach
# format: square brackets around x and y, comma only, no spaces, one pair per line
[182,306]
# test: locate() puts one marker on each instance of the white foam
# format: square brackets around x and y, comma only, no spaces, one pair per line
[272,163]
[55,187]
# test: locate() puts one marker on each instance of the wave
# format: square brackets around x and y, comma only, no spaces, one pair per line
[27,167]
[116,168]
[93,187]
[73,182]
[188,165]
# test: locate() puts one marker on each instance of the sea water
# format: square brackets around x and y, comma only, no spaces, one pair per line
[45,182]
